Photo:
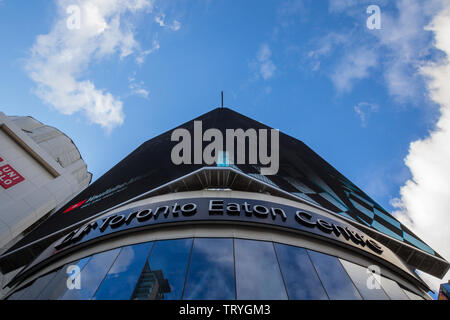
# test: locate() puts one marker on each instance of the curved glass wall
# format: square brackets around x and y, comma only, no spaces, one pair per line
[212,268]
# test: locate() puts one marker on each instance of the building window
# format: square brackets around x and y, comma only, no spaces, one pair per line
[302,281]
[91,276]
[258,275]
[333,276]
[211,270]
[122,278]
[365,281]
[169,260]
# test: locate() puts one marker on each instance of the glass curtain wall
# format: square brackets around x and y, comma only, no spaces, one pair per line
[212,268]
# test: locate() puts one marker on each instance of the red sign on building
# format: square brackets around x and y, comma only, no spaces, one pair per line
[79,204]
[9,177]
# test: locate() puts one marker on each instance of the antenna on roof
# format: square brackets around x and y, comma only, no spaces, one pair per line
[221,92]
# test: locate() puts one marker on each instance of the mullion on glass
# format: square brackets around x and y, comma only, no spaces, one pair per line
[57,287]
[91,275]
[301,279]
[118,254]
[169,261]
[258,275]
[281,271]
[334,278]
[187,269]
[123,276]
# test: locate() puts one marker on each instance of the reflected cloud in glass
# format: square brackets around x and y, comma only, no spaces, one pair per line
[301,279]
[334,278]
[211,270]
[257,273]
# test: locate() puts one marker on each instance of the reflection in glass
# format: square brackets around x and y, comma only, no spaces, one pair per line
[170,257]
[393,290]
[302,282]
[413,296]
[58,285]
[334,278]
[121,279]
[151,285]
[91,275]
[211,270]
[365,281]
[257,273]
[32,291]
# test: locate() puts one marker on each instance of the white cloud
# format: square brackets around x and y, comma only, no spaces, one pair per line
[408,45]
[60,58]
[175,26]
[363,109]
[400,47]
[266,67]
[354,66]
[143,54]
[425,199]
[137,88]
[325,46]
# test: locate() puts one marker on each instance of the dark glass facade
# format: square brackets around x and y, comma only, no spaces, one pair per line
[214,268]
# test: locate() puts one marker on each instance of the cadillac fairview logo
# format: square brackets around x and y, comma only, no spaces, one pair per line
[106,194]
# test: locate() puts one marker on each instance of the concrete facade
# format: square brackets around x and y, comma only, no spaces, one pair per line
[40,170]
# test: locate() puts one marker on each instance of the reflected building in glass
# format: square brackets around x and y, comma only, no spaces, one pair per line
[154,229]
[151,285]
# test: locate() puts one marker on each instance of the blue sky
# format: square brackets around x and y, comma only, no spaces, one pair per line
[312,69]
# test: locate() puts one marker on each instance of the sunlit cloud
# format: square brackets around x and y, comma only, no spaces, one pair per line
[424,204]
[266,66]
[86,31]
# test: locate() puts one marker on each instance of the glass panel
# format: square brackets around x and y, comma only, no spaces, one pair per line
[304,196]
[299,185]
[58,285]
[362,209]
[366,201]
[346,215]
[38,286]
[387,218]
[211,270]
[334,201]
[302,282]
[164,274]
[16,295]
[257,272]
[31,291]
[121,279]
[393,290]
[367,285]
[334,278]
[416,242]
[263,179]
[91,275]
[385,230]
[413,296]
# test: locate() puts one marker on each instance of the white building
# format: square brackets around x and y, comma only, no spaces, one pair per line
[40,169]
